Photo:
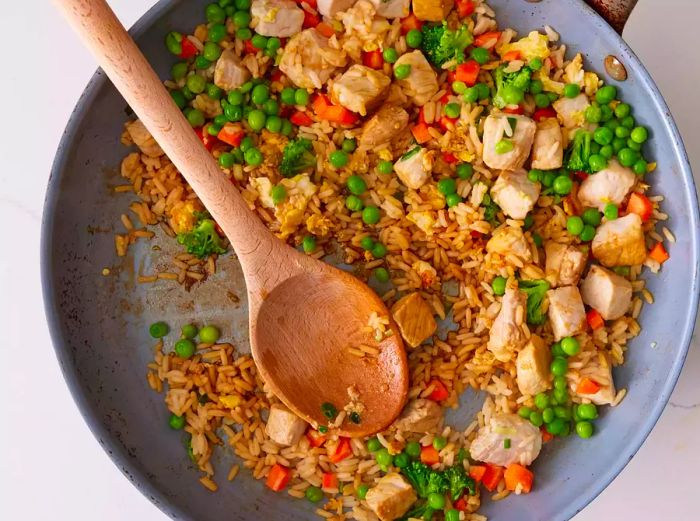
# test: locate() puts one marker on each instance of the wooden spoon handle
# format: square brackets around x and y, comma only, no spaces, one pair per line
[118,55]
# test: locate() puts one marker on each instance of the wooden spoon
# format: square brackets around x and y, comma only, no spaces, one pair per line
[304,314]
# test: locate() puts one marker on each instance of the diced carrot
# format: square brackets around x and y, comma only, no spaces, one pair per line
[511,56]
[329,480]
[488,39]
[250,48]
[325,29]
[517,476]
[188,49]
[373,59]
[440,392]
[464,7]
[468,72]
[492,477]
[324,109]
[594,319]
[659,253]
[301,119]
[316,439]
[341,450]
[421,132]
[429,455]
[514,110]
[641,205]
[460,504]
[547,112]
[587,386]
[310,20]
[320,102]
[278,477]
[231,134]
[410,22]
[449,158]
[546,436]
[476,472]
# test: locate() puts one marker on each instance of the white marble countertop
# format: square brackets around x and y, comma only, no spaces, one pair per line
[53,469]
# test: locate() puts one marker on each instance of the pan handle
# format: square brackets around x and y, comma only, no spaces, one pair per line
[615,12]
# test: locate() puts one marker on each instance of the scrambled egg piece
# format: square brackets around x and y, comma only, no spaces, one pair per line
[318,225]
[271,15]
[424,220]
[263,186]
[290,213]
[548,84]
[590,83]
[182,218]
[534,45]
[231,401]
[573,72]
[426,272]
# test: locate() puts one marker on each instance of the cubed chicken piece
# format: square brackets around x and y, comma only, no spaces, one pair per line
[620,242]
[519,130]
[489,444]
[507,333]
[308,59]
[610,185]
[566,312]
[564,263]
[515,193]
[414,167]
[360,89]
[415,319]
[143,139]
[392,8]
[598,370]
[420,416]
[532,367]
[281,18]
[548,147]
[283,426]
[387,123]
[329,8]
[509,240]
[606,292]
[421,83]
[571,110]
[229,72]
[391,497]
[432,10]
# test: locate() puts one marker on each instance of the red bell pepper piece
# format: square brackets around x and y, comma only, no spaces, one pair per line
[207,140]
[641,205]
[487,39]
[231,134]
[301,119]
[325,29]
[492,477]
[511,56]
[440,392]
[547,112]
[316,439]
[468,72]
[476,472]
[460,504]
[278,477]
[329,480]
[587,386]
[310,20]
[188,49]
[373,59]
[464,7]
[449,158]
[341,450]
[447,123]
[250,48]
[514,110]
[410,22]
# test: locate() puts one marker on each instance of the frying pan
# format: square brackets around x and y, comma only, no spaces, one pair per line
[99,323]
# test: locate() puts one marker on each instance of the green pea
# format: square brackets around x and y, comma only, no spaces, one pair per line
[176,422]
[587,233]
[536,87]
[414,38]
[367,243]
[640,167]
[535,175]
[439,443]
[464,170]
[637,147]
[200,62]
[480,55]
[436,501]
[593,114]
[273,44]
[173,42]
[233,112]
[512,95]
[584,429]
[547,178]
[301,97]
[235,97]
[560,382]
[588,411]
[383,457]
[595,148]
[373,445]
[498,284]
[597,162]
[178,98]
[195,117]
[556,349]
[185,348]
[622,132]
[362,491]
[260,94]
[553,96]
[259,41]
[627,122]
[562,185]
[536,418]
[244,33]
[559,366]
[158,329]
[453,200]
[353,203]
[379,251]
[548,415]
[639,134]
[541,401]
[591,216]
[390,55]
[253,157]
[504,146]
[606,113]
[339,159]
[402,71]
[452,514]
[622,110]
[273,124]
[524,412]
[256,119]
[542,100]
[227,160]
[562,412]
[209,334]
[458,87]
[618,144]
[196,83]
[287,96]
[246,143]
[242,4]
[313,494]
[385,167]
[179,70]
[271,108]
[381,274]
[371,215]
[189,331]
[217,32]
[452,110]
[211,51]
[484,91]
[574,224]
[348,146]
[413,449]
[215,14]
[471,95]
[528,222]
[606,94]
[606,151]
[287,127]
[535,64]
[447,186]
[603,135]
[555,427]
[610,211]
[628,157]
[571,90]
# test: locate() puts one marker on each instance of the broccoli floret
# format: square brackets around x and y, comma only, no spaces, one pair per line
[535,290]
[420,510]
[418,475]
[437,482]
[297,157]
[459,481]
[203,240]
[490,210]
[519,80]
[580,151]
[441,45]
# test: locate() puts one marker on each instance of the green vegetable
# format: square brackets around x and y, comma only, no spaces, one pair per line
[233,112]
[202,240]
[308,243]
[189,331]
[379,251]
[338,159]
[329,410]
[353,203]
[548,415]
[465,170]
[178,98]
[471,95]
[639,134]
[610,211]
[367,243]
[414,38]
[628,157]
[541,401]
[560,396]
[256,119]
[356,185]
[606,94]
[535,64]
[159,329]
[253,157]
[447,186]
[402,71]
[593,114]
[349,145]
[571,90]
[413,449]
[587,233]
[597,162]
[498,285]
[562,412]
[297,157]
[439,443]
[453,200]
[436,501]
[536,86]
[227,160]
[195,117]
[588,411]
[362,491]
[490,211]
[390,55]
[185,348]
[458,87]
[584,429]
[524,412]
[603,135]
[384,459]
[480,55]
[314,494]
[373,445]
[507,81]
[217,32]
[535,290]
[536,418]
[440,44]
[542,100]
[559,366]
[371,215]
[211,51]
[504,146]
[271,108]
[301,97]
[381,274]
[591,216]
[274,124]
[452,110]
[385,167]
[560,382]
[562,185]
[622,131]
[574,224]
[458,481]
[452,514]
[556,349]
[277,192]
[401,460]
[176,422]
[209,334]
[287,96]
[426,481]
[640,167]
[580,151]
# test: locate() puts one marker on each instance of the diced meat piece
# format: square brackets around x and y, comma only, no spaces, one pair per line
[519,130]
[415,319]
[532,367]
[599,370]
[392,8]
[566,312]
[432,10]
[143,139]
[564,263]
[359,513]
[421,83]
[515,193]
[606,292]
[414,167]
[391,497]
[548,147]
[360,89]
[509,240]
[571,110]
[308,59]
[620,242]
[281,18]
[507,333]
[420,416]
[525,441]
[329,8]
[283,426]
[610,185]
[229,72]
[387,123]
